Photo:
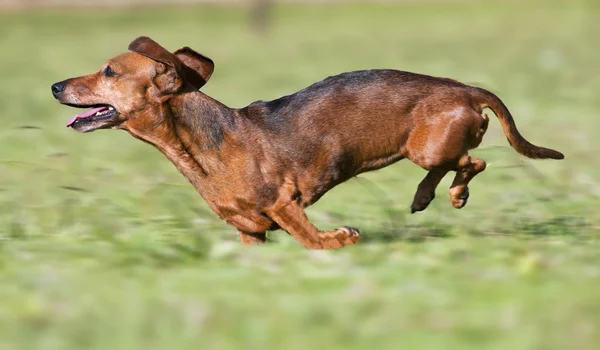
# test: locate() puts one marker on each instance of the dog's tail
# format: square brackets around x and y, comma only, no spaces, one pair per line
[484,99]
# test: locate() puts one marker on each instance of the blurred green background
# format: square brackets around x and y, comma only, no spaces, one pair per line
[103,245]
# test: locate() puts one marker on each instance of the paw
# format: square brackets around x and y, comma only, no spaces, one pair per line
[459,200]
[348,235]
[335,239]
[420,203]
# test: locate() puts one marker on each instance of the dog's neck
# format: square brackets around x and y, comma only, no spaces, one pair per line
[203,119]
[193,129]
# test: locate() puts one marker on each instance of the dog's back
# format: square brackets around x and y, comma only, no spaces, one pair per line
[348,91]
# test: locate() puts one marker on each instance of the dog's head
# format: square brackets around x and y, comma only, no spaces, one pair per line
[130,85]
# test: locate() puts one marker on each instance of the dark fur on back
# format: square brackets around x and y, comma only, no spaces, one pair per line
[275,114]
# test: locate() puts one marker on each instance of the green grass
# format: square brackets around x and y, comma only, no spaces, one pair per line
[103,245]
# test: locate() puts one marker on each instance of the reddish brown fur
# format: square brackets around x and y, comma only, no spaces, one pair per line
[258,167]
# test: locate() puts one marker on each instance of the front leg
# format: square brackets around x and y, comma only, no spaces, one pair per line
[291,218]
[252,238]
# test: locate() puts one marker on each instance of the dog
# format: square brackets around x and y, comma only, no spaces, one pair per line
[259,166]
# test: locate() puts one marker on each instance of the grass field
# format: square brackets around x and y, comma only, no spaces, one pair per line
[103,245]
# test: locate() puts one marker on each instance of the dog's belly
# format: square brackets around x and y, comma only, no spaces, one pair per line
[314,182]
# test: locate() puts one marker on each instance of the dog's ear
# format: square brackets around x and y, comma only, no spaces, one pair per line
[201,65]
[151,49]
[171,80]
[168,80]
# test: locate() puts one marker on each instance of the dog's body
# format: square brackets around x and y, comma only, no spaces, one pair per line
[259,166]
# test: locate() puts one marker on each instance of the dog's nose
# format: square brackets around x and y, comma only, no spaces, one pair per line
[58,88]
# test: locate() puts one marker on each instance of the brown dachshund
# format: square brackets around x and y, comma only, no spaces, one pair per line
[258,167]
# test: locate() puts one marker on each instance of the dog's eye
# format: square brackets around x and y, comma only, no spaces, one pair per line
[108,72]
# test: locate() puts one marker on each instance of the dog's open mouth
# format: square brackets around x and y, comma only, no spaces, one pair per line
[95,113]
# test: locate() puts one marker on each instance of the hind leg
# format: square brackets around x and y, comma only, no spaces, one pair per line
[426,190]
[466,169]
[441,144]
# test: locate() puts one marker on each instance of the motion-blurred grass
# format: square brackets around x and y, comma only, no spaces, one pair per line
[105,246]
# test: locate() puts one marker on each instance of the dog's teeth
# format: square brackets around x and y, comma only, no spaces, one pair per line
[110,108]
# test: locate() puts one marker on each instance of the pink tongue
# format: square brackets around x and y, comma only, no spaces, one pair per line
[85,114]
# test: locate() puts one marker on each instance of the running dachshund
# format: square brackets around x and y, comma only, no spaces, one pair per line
[259,166]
